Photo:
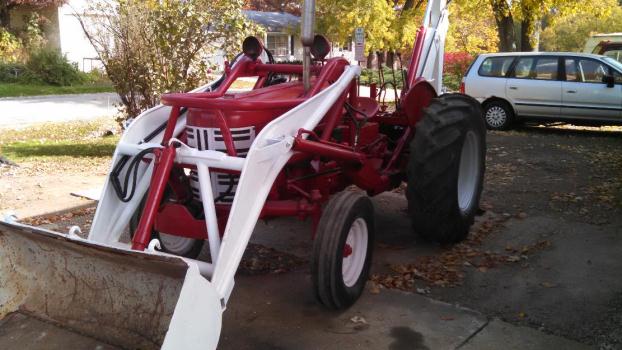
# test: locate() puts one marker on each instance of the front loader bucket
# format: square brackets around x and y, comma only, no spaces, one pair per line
[130,299]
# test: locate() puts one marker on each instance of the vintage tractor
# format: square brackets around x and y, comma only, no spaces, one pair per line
[204,166]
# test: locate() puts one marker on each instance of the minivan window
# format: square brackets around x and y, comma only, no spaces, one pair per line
[546,68]
[523,67]
[617,65]
[571,70]
[586,70]
[495,66]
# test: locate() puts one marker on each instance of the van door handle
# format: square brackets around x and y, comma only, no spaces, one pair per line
[513,88]
[571,91]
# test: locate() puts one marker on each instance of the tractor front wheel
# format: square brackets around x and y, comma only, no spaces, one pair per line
[342,250]
[446,168]
[172,244]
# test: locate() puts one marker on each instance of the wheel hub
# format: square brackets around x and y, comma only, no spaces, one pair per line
[347,251]
[468,173]
[496,116]
[354,252]
[176,244]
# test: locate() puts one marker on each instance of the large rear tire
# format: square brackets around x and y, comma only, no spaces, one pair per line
[342,250]
[446,168]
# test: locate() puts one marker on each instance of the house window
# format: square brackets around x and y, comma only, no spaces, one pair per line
[278,44]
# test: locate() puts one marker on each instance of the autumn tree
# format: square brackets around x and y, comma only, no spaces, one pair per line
[7,5]
[571,30]
[337,19]
[505,24]
[472,28]
[289,6]
[527,16]
[150,47]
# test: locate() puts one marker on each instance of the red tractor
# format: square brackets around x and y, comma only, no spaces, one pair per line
[206,165]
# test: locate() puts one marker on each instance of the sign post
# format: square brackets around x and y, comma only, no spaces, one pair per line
[359,44]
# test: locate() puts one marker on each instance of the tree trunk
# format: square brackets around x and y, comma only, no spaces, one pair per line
[370,60]
[505,25]
[381,58]
[409,4]
[530,34]
[5,19]
[391,59]
[525,35]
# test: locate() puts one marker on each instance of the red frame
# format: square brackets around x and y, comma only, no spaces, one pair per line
[342,154]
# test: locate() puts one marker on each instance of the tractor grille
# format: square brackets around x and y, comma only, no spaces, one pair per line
[212,139]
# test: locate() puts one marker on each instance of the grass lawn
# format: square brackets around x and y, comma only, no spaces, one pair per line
[59,142]
[16,89]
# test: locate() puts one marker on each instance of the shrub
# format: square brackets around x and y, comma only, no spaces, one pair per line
[96,76]
[11,49]
[153,47]
[457,63]
[52,67]
[11,72]
[369,76]
[455,66]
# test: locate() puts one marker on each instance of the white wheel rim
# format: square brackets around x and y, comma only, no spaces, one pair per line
[468,173]
[496,116]
[352,264]
[175,244]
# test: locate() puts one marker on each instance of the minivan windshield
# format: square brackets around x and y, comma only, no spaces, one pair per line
[615,64]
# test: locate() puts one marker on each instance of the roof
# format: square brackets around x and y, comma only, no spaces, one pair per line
[600,35]
[580,54]
[274,21]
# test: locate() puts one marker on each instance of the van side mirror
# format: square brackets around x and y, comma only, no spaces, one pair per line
[609,80]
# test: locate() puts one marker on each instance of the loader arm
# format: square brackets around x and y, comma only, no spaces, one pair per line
[429,47]
[269,153]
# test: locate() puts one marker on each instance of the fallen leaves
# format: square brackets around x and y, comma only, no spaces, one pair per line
[260,260]
[448,268]
[374,288]
[51,219]
[548,285]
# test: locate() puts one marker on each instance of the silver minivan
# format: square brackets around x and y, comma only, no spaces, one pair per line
[550,87]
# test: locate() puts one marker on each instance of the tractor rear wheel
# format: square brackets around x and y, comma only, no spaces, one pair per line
[342,250]
[446,168]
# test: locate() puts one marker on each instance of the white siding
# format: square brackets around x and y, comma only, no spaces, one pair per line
[73,42]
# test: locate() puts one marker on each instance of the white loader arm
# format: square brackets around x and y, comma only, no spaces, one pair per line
[428,62]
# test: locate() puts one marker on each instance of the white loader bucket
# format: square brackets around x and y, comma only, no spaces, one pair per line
[130,299]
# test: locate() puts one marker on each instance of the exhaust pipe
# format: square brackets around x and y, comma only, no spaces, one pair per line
[307,35]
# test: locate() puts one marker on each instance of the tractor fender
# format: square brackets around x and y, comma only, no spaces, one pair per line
[418,97]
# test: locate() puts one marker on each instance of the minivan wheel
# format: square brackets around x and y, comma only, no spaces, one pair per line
[498,115]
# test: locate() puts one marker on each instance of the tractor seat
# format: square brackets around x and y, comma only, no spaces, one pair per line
[365,107]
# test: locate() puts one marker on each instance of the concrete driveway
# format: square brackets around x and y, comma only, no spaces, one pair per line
[20,112]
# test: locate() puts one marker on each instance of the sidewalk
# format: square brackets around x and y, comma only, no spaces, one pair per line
[20,112]
[279,312]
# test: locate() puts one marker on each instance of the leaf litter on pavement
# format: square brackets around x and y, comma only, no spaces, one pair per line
[448,268]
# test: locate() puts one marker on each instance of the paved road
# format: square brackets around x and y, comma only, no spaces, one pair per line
[277,311]
[19,112]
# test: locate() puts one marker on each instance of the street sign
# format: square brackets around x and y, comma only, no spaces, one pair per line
[359,44]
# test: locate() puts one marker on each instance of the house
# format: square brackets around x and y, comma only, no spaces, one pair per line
[282,36]
[282,33]
[64,32]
